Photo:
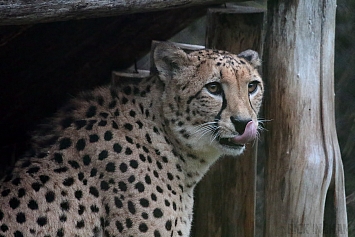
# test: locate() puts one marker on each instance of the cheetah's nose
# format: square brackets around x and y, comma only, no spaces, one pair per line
[239,124]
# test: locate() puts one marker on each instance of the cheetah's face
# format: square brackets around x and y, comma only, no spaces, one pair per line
[211,98]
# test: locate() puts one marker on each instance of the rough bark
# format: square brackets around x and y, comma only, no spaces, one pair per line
[15,12]
[225,198]
[303,157]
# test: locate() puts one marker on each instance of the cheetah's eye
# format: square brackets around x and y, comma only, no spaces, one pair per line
[252,87]
[214,88]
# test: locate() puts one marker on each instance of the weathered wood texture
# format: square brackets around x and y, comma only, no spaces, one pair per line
[44,65]
[16,12]
[225,198]
[303,157]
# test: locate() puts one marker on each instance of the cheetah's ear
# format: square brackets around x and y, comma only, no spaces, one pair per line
[251,56]
[168,59]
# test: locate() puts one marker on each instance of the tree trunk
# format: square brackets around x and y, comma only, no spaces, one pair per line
[16,12]
[303,157]
[225,198]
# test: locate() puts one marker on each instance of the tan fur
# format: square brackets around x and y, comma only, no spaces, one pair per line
[124,161]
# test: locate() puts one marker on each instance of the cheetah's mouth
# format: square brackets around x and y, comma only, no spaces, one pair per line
[230,143]
[239,141]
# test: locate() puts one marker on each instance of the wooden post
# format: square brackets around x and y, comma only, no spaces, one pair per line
[303,157]
[225,198]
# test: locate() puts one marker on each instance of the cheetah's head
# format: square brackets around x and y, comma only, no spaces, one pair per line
[211,98]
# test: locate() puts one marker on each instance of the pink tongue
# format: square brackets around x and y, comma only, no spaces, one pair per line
[248,135]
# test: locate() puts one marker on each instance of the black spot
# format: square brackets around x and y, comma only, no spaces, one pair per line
[1,215]
[93,191]
[50,196]
[81,209]
[36,186]
[168,225]
[145,215]
[80,123]
[68,181]
[118,203]
[74,164]
[142,157]
[123,167]
[108,135]
[122,186]
[78,194]
[140,187]
[94,208]
[132,113]
[114,125]
[58,158]
[61,170]
[32,204]
[128,151]
[86,160]
[131,179]
[159,165]
[42,221]
[64,143]
[80,145]
[133,164]
[157,233]
[119,226]
[25,164]
[21,192]
[159,189]
[93,172]
[60,232]
[131,207]
[154,197]
[170,176]
[44,178]
[130,140]
[91,112]
[129,223]
[33,170]
[20,217]
[147,179]
[65,206]
[149,140]
[5,192]
[110,167]
[102,123]
[140,124]
[80,224]
[103,155]
[143,227]
[144,202]
[128,126]
[4,228]
[124,100]
[63,218]
[18,234]
[157,213]
[117,148]
[145,149]
[104,185]
[156,174]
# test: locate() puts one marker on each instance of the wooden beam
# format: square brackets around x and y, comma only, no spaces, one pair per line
[304,168]
[225,198]
[17,12]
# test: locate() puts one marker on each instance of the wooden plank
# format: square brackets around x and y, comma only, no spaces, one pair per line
[225,198]
[303,157]
[15,12]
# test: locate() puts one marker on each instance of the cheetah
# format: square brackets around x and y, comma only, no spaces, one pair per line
[124,160]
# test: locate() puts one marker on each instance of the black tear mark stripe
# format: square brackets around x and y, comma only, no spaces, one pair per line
[224,105]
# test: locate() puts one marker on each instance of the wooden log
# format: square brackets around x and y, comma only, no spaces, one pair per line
[225,198]
[16,12]
[303,157]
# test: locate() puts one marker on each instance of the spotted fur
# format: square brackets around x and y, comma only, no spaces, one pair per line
[123,161]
